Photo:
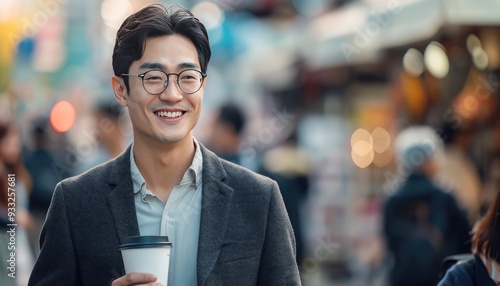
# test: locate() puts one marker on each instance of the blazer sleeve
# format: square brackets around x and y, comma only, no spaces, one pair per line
[56,263]
[278,265]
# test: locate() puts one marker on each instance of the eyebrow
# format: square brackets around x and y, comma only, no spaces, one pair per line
[152,65]
[158,66]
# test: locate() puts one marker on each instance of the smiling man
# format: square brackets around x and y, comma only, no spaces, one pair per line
[228,225]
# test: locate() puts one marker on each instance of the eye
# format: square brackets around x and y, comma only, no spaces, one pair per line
[188,75]
[154,76]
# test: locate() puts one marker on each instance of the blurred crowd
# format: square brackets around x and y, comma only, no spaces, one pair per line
[384,164]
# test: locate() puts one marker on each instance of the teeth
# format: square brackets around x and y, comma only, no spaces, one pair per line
[169,114]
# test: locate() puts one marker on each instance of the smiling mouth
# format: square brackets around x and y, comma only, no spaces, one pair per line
[169,114]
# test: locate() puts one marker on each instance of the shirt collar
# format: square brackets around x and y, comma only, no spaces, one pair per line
[192,175]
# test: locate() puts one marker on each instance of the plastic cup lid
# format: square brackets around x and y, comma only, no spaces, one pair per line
[146,241]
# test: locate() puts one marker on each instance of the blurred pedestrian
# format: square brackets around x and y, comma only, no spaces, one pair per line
[15,184]
[109,141]
[484,268]
[39,163]
[422,223]
[226,135]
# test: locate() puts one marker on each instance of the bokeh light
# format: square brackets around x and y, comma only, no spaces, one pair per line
[368,148]
[362,154]
[472,43]
[361,135]
[209,14]
[114,12]
[413,62]
[381,140]
[479,58]
[362,148]
[62,116]
[477,52]
[436,60]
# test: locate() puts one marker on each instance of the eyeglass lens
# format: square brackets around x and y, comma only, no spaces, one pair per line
[189,81]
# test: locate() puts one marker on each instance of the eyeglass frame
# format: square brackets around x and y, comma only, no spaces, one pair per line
[141,75]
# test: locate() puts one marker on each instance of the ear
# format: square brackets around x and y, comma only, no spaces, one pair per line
[120,90]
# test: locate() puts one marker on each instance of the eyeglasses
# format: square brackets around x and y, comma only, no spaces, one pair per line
[156,81]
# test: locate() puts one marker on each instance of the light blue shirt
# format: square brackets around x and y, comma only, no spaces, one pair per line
[179,218]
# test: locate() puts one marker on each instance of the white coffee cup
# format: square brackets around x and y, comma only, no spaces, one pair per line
[148,254]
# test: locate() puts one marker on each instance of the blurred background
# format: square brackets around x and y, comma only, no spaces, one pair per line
[311,93]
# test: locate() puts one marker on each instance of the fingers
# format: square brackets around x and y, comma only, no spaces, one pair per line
[136,279]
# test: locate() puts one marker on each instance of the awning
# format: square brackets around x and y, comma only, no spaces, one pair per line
[472,12]
[358,32]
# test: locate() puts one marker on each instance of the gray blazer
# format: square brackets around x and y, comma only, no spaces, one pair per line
[245,234]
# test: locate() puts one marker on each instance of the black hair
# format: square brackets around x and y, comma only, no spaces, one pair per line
[110,109]
[155,21]
[232,115]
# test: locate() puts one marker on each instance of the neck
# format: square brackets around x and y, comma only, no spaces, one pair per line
[162,165]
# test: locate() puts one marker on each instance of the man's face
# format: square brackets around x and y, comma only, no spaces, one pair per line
[168,117]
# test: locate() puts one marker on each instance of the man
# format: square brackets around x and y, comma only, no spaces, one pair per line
[110,142]
[228,225]
[422,223]
[227,132]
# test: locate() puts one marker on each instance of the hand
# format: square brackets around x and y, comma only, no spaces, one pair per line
[137,279]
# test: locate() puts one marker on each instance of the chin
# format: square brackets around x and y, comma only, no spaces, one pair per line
[172,138]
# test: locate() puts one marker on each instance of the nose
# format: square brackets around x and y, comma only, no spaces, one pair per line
[172,93]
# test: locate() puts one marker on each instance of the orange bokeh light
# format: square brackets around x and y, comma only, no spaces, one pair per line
[62,116]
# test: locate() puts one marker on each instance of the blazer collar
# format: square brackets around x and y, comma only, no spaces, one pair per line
[215,201]
[121,197]
[216,198]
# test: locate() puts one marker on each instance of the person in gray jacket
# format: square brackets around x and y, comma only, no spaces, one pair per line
[227,224]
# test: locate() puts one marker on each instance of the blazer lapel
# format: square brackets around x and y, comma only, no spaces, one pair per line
[216,197]
[121,197]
